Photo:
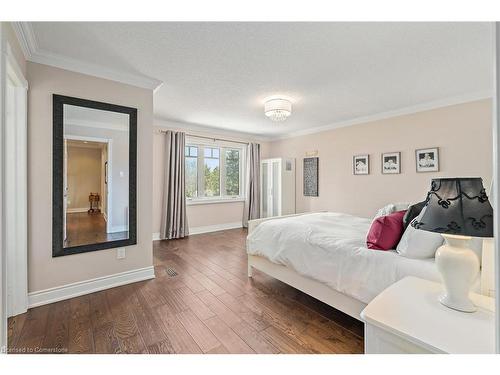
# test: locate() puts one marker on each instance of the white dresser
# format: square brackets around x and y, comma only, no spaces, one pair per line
[408,318]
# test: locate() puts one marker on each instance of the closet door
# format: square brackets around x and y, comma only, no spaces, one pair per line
[264,189]
[276,188]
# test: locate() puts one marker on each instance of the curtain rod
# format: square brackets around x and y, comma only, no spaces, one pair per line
[211,138]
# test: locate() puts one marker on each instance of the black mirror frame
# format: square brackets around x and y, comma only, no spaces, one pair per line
[58,102]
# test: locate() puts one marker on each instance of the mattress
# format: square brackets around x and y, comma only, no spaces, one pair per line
[331,248]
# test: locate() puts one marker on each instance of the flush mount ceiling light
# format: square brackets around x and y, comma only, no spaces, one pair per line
[278,109]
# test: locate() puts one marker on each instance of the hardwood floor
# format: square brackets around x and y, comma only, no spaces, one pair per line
[200,302]
[84,229]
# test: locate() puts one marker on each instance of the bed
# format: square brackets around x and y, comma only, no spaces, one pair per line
[324,255]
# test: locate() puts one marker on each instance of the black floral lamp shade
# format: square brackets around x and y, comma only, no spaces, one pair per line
[457,206]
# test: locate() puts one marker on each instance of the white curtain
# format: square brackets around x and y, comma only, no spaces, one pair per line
[252,200]
[174,221]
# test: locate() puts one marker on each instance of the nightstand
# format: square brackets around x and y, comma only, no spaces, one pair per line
[408,318]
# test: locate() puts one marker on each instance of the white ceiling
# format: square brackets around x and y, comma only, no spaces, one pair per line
[218,74]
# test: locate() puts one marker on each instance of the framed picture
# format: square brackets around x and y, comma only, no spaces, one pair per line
[311,177]
[427,159]
[391,163]
[361,164]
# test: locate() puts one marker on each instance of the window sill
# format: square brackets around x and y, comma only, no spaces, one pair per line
[196,202]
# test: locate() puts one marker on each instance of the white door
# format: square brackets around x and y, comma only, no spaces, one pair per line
[276,188]
[271,188]
[264,190]
[16,191]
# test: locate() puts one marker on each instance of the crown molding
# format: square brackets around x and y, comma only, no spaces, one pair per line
[208,131]
[212,131]
[26,37]
[32,52]
[472,97]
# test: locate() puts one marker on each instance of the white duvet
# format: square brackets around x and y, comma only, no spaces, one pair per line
[331,248]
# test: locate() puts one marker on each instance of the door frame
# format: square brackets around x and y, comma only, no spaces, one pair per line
[17,252]
[13,264]
[109,190]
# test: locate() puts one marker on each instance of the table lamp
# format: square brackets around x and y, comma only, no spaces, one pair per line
[459,209]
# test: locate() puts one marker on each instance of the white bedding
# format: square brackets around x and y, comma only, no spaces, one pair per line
[331,248]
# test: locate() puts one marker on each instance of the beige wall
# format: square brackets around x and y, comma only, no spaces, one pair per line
[462,133]
[44,271]
[84,175]
[198,215]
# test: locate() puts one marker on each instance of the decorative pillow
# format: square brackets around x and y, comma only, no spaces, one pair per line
[385,231]
[413,211]
[418,243]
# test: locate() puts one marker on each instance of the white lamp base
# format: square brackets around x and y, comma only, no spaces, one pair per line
[459,267]
[464,305]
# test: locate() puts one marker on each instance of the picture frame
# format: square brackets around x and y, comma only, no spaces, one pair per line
[391,163]
[361,164]
[311,177]
[427,160]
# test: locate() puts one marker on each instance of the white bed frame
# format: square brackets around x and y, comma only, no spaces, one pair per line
[318,290]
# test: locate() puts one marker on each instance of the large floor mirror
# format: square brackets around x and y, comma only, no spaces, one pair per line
[94,175]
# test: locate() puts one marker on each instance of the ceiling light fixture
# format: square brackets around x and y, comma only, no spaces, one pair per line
[278,109]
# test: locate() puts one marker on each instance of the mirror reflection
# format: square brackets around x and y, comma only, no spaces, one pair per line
[95,176]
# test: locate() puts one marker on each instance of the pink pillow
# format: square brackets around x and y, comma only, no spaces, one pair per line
[386,231]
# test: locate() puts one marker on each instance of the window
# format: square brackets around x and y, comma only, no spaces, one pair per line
[232,171]
[214,171]
[211,172]
[191,171]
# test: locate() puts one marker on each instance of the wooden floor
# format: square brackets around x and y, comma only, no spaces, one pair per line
[84,229]
[200,302]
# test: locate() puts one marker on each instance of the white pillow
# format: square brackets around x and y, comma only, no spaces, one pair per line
[390,208]
[401,206]
[386,210]
[419,244]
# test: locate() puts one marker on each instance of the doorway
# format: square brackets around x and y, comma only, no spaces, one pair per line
[87,190]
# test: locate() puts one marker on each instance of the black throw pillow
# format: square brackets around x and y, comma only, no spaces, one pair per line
[412,212]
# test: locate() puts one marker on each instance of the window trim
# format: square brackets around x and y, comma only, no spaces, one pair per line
[222,146]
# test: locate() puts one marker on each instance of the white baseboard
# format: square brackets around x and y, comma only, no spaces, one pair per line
[215,228]
[80,288]
[207,229]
